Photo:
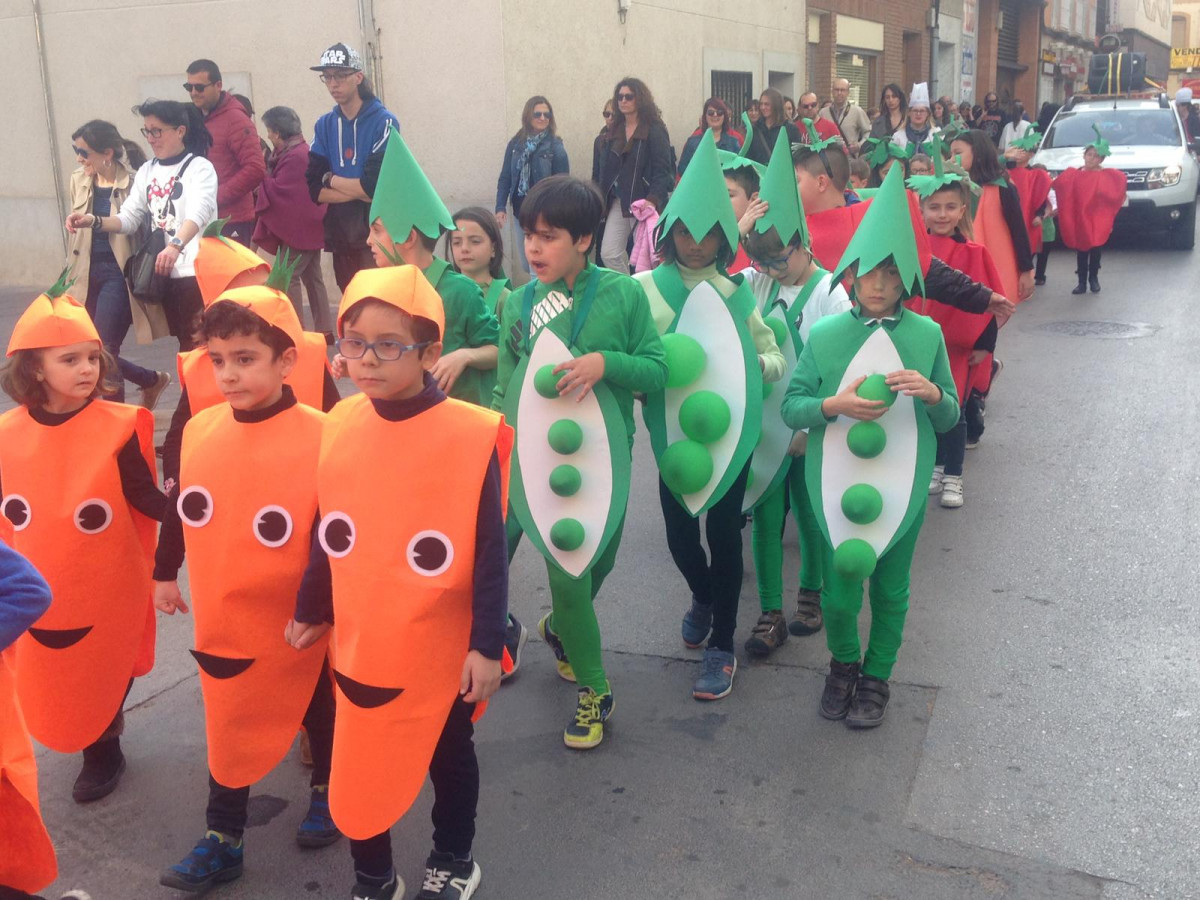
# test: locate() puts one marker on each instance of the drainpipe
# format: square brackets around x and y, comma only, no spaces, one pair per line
[371,51]
[935,41]
[51,130]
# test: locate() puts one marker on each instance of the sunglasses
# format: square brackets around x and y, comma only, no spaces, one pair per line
[82,153]
[607,114]
[713,112]
[541,115]
[624,97]
[196,88]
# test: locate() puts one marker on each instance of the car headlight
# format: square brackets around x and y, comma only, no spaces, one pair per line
[1164,177]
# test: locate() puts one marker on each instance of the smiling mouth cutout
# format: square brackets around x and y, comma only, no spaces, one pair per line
[366,696]
[59,638]
[221,667]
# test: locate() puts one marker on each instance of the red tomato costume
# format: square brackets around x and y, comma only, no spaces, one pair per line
[832,229]
[1088,202]
[1033,187]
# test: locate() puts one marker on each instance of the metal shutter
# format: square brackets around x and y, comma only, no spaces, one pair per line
[858,69]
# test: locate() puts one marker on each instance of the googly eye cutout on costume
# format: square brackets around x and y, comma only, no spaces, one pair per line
[195,506]
[430,553]
[272,526]
[336,534]
[93,516]
[16,509]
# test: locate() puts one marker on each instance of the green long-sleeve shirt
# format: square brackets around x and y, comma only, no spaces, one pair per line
[618,326]
[469,323]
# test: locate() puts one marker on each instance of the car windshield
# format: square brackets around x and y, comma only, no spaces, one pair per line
[1128,127]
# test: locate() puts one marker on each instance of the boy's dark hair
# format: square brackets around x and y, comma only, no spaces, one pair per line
[429,243]
[424,330]
[860,168]
[564,201]
[226,319]
[207,66]
[18,377]
[744,177]
[766,245]
[487,221]
[921,158]
[724,251]
[832,162]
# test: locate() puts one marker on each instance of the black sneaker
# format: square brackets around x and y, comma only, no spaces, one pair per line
[839,689]
[768,634]
[449,878]
[808,618]
[392,889]
[515,636]
[214,860]
[103,765]
[870,703]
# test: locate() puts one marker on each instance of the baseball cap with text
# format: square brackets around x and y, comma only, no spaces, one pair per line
[340,56]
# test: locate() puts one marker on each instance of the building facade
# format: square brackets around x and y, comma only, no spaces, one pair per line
[1069,39]
[1144,26]
[1185,46]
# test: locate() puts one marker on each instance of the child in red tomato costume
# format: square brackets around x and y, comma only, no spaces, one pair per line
[1088,202]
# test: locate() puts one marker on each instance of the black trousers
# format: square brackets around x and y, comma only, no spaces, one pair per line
[716,583]
[227,807]
[183,307]
[348,263]
[454,771]
[1042,258]
[1087,263]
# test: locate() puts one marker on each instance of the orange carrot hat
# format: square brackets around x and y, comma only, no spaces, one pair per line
[54,319]
[222,264]
[268,301]
[404,287]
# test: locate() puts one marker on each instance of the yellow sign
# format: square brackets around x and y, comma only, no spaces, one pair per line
[1185,57]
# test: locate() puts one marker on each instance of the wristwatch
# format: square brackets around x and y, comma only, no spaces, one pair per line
[97,222]
[327,179]
[175,242]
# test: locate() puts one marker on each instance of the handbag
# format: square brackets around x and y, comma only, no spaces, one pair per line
[144,282]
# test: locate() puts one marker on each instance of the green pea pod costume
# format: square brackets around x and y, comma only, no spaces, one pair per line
[570,474]
[770,463]
[704,425]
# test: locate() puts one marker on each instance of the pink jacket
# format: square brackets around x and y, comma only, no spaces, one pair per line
[286,213]
[643,258]
[237,157]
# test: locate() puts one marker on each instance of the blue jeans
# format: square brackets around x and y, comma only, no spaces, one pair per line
[108,305]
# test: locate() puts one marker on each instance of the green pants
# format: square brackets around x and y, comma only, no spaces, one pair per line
[842,599]
[573,611]
[767,539]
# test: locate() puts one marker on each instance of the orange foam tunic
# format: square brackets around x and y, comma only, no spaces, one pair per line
[70,519]
[247,534]
[992,232]
[307,378]
[398,523]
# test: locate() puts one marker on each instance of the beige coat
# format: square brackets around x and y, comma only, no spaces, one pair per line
[149,320]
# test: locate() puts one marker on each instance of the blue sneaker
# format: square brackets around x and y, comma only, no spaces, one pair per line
[697,623]
[716,675]
[215,860]
[317,829]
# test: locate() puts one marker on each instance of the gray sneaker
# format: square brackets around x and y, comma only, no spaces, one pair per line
[716,675]
[697,623]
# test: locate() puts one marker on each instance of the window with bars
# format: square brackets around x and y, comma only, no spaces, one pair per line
[735,88]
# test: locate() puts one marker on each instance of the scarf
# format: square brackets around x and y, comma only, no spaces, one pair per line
[532,143]
[918,138]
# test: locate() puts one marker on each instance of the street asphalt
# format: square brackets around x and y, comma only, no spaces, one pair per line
[1044,730]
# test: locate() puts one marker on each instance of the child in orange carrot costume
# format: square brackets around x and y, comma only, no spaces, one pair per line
[246,529]
[410,562]
[79,487]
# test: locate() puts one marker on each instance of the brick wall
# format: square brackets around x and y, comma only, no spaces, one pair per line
[899,17]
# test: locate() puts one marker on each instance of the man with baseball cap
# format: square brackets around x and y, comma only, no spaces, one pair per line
[344,158]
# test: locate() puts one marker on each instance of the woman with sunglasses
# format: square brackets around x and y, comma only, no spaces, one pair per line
[534,152]
[637,164]
[893,112]
[717,117]
[101,186]
[177,192]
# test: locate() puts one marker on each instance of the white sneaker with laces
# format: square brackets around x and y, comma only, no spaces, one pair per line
[935,483]
[952,491]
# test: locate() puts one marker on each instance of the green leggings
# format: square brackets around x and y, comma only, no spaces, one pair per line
[573,611]
[767,539]
[842,601]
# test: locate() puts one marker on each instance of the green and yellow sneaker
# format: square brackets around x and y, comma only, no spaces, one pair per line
[560,654]
[587,728]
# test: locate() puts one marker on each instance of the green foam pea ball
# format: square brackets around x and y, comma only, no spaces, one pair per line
[877,388]
[854,559]
[862,504]
[565,480]
[704,416]
[567,534]
[866,440]
[686,359]
[779,328]
[545,382]
[686,467]
[565,436]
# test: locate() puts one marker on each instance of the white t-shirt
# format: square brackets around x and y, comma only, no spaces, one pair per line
[1012,132]
[170,201]
[828,298]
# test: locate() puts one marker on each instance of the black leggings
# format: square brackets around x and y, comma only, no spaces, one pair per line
[183,307]
[717,584]
[1087,263]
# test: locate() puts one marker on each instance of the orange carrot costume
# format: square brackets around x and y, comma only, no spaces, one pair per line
[63,494]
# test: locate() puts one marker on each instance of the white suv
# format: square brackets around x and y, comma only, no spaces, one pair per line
[1148,144]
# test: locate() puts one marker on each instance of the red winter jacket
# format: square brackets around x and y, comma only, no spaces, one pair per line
[237,157]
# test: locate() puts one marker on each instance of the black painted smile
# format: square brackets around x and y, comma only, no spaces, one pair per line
[59,638]
[221,667]
[367,696]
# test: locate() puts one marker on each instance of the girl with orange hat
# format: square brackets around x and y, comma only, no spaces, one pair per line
[79,486]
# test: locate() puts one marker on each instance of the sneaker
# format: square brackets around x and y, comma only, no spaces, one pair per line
[808,618]
[445,876]
[839,689]
[972,443]
[591,712]
[716,675]
[151,394]
[515,636]
[997,368]
[697,623]
[1039,280]
[768,635]
[870,703]
[393,889]
[103,766]
[317,829]
[952,492]
[215,860]
[565,671]
[935,481]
